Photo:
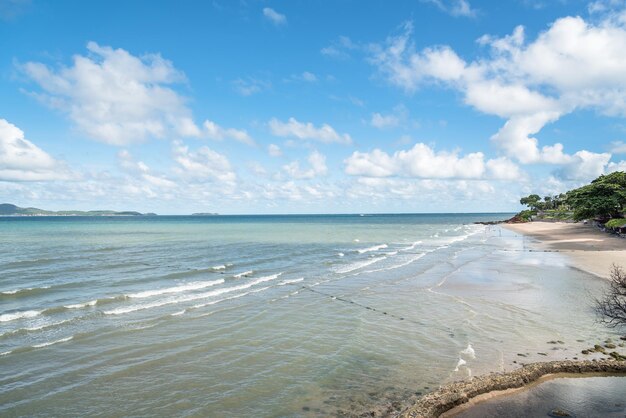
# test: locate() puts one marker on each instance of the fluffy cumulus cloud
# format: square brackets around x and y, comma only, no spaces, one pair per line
[21,160]
[141,169]
[295,129]
[317,162]
[422,161]
[203,164]
[274,17]
[274,150]
[214,131]
[115,97]
[574,64]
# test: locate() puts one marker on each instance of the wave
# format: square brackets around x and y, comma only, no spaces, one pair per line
[46,344]
[397,266]
[460,363]
[359,265]
[244,274]
[82,305]
[291,281]
[134,308]
[175,289]
[19,315]
[24,291]
[374,248]
[222,266]
[340,254]
[33,329]
[412,246]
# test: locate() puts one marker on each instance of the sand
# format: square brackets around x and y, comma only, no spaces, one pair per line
[587,248]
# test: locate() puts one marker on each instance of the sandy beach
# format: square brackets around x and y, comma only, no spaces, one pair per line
[587,248]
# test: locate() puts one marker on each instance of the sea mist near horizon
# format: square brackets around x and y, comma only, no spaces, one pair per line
[272,315]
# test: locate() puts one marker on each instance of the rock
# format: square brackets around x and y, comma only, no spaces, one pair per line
[542,354]
[521,355]
[617,356]
[558,412]
[585,351]
[610,345]
[623,338]
[599,348]
[552,342]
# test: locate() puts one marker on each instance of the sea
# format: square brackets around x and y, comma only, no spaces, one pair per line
[273,316]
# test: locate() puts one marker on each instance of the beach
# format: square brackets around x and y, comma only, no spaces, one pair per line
[587,247]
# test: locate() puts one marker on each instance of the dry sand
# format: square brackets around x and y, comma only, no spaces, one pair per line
[587,248]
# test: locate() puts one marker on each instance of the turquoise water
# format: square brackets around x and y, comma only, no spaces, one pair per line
[271,315]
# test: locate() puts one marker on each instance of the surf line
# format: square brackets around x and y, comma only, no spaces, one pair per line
[369,308]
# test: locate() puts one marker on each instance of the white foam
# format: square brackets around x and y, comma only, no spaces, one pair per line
[391,253]
[284,282]
[459,364]
[357,240]
[18,315]
[134,308]
[244,274]
[5,353]
[26,289]
[374,248]
[62,340]
[469,351]
[359,265]
[179,312]
[220,267]
[340,254]
[82,305]
[176,289]
[412,246]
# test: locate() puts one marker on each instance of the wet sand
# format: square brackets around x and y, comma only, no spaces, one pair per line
[587,248]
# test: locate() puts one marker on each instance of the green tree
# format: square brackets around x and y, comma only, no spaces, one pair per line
[604,198]
[531,201]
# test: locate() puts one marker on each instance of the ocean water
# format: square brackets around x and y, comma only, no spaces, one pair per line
[272,315]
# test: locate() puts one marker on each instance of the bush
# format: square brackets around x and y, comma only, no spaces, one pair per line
[615,223]
[611,309]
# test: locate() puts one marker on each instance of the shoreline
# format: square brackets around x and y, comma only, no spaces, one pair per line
[458,394]
[585,246]
[587,249]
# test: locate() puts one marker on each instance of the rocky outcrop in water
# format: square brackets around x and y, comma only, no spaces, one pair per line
[458,393]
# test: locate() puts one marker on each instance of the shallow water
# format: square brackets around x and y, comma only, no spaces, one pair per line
[579,397]
[271,315]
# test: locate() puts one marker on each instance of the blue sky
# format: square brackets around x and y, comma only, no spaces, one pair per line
[308,107]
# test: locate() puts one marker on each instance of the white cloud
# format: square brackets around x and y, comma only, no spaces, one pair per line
[274,17]
[572,65]
[202,164]
[421,161]
[249,86]
[317,161]
[116,97]
[274,150]
[584,165]
[618,147]
[142,171]
[307,76]
[293,128]
[384,121]
[21,160]
[214,131]
[454,7]
[340,48]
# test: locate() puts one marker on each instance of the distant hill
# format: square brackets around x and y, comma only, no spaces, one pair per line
[8,209]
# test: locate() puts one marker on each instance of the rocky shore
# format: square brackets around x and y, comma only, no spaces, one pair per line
[454,394]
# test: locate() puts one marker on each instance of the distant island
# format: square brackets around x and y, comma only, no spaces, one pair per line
[8,209]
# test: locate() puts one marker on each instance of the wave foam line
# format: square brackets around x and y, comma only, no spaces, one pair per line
[374,248]
[220,267]
[120,311]
[23,290]
[18,315]
[412,246]
[175,289]
[244,274]
[359,265]
[284,282]
[82,305]
[62,340]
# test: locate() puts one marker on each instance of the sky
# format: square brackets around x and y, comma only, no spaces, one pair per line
[297,106]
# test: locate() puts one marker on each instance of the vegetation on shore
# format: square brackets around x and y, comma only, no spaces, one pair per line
[7,209]
[603,200]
